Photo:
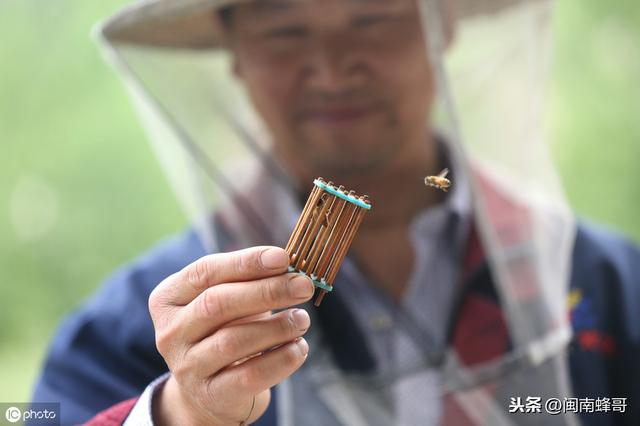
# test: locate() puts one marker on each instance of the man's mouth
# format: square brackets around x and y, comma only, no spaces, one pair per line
[337,115]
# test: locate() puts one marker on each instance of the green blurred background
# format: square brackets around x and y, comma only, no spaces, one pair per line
[80,190]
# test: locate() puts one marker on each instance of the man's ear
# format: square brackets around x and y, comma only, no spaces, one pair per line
[223,23]
[449,18]
[236,67]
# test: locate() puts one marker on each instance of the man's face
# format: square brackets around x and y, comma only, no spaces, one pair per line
[344,85]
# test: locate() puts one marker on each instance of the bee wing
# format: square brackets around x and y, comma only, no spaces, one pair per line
[443,173]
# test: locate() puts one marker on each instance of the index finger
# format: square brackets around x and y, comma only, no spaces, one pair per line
[242,265]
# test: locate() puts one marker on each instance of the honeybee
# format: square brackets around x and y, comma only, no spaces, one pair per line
[440,181]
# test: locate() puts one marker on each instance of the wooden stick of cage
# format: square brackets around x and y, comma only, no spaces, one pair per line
[324,232]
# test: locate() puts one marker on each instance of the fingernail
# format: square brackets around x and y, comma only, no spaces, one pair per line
[274,258]
[301,319]
[301,287]
[302,345]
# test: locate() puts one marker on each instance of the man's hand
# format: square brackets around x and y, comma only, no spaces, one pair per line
[224,348]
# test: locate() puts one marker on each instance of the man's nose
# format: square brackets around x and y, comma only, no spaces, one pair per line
[333,65]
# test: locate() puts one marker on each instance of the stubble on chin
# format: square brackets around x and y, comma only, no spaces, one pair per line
[338,161]
[347,151]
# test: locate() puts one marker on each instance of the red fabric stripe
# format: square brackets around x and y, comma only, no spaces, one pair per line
[113,416]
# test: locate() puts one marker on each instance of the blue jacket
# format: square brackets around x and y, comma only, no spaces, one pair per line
[105,352]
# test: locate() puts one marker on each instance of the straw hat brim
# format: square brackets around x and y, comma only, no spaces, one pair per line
[193,24]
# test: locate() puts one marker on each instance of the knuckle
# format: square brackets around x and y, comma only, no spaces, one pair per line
[197,273]
[155,302]
[286,325]
[226,343]
[246,377]
[186,375]
[164,342]
[246,261]
[182,372]
[211,305]
[271,291]
[243,262]
[160,297]
[183,366]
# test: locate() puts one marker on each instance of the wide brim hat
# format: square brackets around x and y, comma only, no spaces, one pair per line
[194,24]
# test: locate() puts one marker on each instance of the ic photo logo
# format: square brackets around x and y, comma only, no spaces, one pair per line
[13,414]
[32,414]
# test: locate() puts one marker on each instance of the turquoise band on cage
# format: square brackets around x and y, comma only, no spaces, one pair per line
[320,284]
[339,194]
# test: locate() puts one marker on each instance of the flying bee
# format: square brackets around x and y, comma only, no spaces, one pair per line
[440,181]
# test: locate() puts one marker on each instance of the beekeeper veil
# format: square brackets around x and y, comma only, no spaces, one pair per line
[488,59]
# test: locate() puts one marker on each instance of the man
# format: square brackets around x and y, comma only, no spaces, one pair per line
[448,311]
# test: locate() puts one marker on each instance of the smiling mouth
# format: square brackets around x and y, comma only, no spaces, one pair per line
[338,115]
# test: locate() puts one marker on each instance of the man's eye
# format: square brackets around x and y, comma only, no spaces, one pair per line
[286,33]
[369,20]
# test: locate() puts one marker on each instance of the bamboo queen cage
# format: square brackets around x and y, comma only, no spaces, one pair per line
[324,232]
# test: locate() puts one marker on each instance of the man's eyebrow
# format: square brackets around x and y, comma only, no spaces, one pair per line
[287,4]
[275,5]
